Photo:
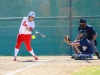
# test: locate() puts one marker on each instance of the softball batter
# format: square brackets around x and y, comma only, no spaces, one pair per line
[24,35]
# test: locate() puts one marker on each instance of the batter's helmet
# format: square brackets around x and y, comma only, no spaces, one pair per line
[32,14]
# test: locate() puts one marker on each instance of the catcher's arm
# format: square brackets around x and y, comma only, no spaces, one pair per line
[68,41]
[75,44]
[77,38]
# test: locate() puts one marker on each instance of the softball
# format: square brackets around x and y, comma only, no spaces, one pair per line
[33,37]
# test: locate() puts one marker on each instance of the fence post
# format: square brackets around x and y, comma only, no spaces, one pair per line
[70,22]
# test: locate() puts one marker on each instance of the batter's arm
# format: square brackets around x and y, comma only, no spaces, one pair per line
[29,28]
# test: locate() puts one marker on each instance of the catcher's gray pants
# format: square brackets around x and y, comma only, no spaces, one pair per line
[93,46]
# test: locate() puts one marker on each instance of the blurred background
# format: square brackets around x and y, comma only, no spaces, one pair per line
[54,18]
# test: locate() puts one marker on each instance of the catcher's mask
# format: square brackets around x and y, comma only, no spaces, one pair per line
[84,34]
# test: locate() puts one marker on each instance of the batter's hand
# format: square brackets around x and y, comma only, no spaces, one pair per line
[27,28]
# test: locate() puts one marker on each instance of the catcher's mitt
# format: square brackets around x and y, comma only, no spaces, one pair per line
[67,40]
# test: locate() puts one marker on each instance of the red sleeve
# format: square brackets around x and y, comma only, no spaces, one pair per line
[24,24]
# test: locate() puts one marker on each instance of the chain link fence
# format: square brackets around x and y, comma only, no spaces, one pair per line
[52,19]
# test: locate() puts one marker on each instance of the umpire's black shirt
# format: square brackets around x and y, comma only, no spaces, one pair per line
[90,31]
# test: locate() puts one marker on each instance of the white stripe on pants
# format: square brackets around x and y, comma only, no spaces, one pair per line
[93,46]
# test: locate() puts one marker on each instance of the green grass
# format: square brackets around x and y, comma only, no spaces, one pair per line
[89,70]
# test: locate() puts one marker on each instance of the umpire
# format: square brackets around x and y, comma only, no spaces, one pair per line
[91,35]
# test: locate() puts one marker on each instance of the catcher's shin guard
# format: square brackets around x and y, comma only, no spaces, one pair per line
[78,57]
[81,56]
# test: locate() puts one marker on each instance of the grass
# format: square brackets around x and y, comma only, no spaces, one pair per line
[88,70]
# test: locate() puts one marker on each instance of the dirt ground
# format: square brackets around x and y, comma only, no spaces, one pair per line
[46,65]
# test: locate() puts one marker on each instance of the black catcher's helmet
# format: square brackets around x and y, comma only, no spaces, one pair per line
[84,32]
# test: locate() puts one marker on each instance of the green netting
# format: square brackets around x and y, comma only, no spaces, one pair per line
[52,19]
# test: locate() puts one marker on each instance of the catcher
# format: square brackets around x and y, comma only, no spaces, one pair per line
[83,46]
[92,35]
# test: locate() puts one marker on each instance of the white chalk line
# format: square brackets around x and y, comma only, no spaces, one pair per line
[21,69]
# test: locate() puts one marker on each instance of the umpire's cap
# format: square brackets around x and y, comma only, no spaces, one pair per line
[82,20]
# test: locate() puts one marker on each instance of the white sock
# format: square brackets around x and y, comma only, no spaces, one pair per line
[16,52]
[32,52]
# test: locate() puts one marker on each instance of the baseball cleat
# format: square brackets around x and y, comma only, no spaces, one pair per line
[14,59]
[90,56]
[99,57]
[35,57]
[72,57]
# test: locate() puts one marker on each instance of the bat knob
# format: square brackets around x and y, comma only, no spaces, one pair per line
[43,36]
